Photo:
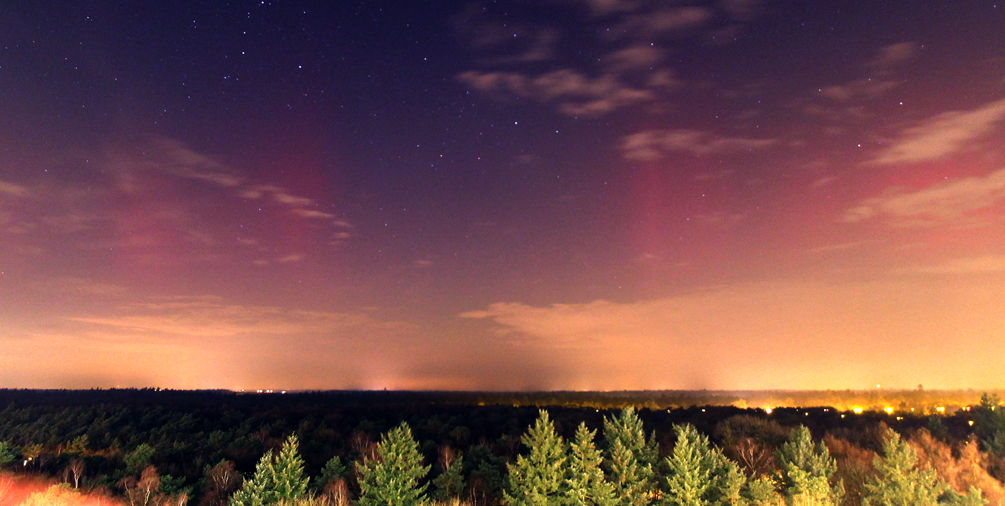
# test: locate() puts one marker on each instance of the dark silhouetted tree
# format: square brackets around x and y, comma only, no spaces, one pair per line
[450,483]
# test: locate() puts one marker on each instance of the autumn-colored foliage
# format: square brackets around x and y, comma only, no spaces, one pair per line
[962,469]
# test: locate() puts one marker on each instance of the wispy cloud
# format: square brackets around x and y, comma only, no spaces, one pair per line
[894,54]
[758,334]
[209,316]
[943,134]
[150,199]
[575,93]
[13,190]
[312,213]
[654,144]
[934,205]
[986,264]
[629,68]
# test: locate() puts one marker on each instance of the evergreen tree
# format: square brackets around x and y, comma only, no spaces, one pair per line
[392,477]
[255,492]
[450,482]
[333,470]
[760,492]
[989,424]
[585,484]
[807,469]
[700,475]
[898,481]
[6,454]
[539,478]
[630,459]
[289,482]
[277,478]
[138,459]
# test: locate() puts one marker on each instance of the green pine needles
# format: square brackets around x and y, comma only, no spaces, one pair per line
[630,459]
[538,479]
[807,470]
[278,478]
[392,477]
[585,482]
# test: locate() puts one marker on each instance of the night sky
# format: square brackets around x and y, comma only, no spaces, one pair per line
[506,195]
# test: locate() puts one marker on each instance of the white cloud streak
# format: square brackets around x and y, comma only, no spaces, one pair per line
[654,144]
[943,135]
[935,205]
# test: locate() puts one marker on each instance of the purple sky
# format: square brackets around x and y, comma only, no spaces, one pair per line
[563,194]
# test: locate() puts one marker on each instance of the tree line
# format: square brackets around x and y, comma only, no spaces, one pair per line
[735,457]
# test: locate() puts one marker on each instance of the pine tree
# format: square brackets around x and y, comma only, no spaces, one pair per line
[450,483]
[585,482]
[630,459]
[334,469]
[6,454]
[539,478]
[392,477]
[255,492]
[277,478]
[898,481]
[806,470]
[289,482]
[700,475]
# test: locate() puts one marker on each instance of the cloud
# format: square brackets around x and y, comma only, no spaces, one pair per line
[210,317]
[868,88]
[605,7]
[637,56]
[13,190]
[290,258]
[894,54]
[169,156]
[654,144]
[937,204]
[312,213]
[676,19]
[943,135]
[766,335]
[986,264]
[153,201]
[838,247]
[575,93]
